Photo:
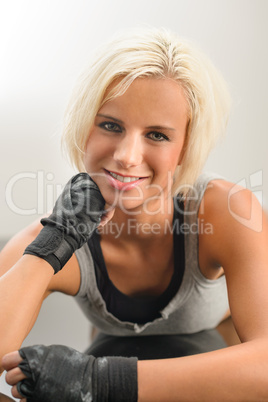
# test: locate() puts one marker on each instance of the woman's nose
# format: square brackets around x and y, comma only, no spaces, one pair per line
[129,151]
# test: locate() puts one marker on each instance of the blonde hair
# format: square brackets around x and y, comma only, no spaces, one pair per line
[152,53]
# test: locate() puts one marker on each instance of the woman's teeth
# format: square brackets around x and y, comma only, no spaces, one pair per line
[123,179]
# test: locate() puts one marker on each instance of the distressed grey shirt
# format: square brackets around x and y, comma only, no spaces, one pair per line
[199,304]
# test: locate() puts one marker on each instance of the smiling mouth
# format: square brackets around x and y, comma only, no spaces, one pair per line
[124,179]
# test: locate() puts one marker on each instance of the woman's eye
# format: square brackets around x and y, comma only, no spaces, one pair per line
[155,136]
[110,126]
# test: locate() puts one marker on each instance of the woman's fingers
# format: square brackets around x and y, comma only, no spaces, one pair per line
[11,360]
[15,393]
[14,374]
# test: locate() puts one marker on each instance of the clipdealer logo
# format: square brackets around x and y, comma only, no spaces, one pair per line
[132,226]
[45,192]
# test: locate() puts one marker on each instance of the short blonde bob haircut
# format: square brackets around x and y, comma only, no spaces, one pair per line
[154,53]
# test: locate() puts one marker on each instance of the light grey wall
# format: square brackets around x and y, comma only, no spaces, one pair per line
[45,45]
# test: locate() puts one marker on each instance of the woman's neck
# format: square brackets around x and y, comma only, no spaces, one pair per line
[140,224]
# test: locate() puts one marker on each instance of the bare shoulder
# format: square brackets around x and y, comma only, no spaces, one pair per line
[66,281]
[233,205]
[236,218]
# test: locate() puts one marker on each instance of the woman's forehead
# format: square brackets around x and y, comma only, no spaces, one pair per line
[152,97]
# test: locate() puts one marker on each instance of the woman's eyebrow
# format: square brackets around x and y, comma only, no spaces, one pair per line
[106,116]
[160,128]
[157,127]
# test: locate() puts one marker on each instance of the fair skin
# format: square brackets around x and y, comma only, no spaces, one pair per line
[122,141]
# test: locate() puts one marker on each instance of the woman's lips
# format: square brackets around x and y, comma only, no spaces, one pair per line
[122,182]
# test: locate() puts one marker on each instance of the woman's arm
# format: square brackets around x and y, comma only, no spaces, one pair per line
[77,213]
[25,281]
[239,373]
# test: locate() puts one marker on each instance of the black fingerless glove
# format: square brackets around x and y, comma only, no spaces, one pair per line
[76,214]
[61,374]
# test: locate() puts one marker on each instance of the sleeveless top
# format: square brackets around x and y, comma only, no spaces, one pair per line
[198,303]
[140,309]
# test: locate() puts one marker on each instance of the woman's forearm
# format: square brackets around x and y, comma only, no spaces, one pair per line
[237,373]
[22,290]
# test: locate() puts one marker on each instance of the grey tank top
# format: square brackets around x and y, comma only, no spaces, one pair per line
[199,304]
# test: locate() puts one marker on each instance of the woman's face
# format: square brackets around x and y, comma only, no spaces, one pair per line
[136,144]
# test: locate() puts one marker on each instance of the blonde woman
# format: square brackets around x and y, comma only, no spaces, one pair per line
[152,248]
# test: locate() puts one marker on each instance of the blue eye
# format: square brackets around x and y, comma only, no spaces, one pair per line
[109,126]
[158,137]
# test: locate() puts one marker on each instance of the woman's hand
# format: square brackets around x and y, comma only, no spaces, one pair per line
[75,216]
[60,373]
[14,374]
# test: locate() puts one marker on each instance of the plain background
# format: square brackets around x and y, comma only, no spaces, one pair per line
[45,46]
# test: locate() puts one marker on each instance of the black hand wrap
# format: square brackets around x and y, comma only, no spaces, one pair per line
[76,214]
[61,374]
